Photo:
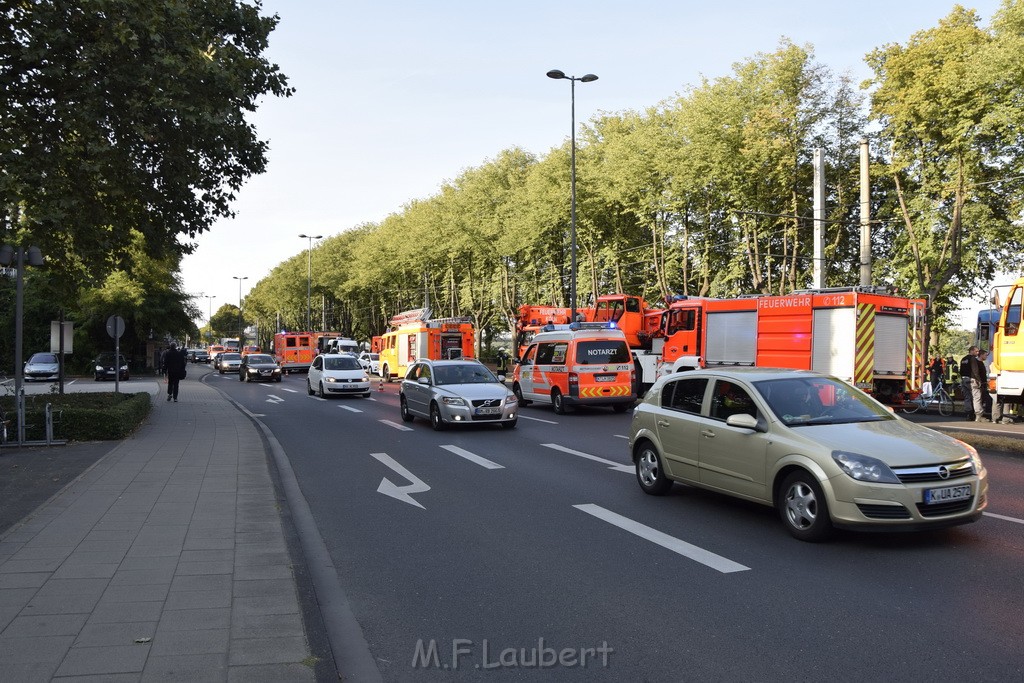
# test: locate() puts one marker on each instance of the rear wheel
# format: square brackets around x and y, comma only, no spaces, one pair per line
[435,418]
[802,507]
[620,407]
[385,373]
[559,403]
[945,405]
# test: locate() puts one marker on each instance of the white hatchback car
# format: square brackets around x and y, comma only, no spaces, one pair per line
[823,453]
[337,374]
[370,362]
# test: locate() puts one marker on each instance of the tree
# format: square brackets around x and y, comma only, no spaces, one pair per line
[944,105]
[127,115]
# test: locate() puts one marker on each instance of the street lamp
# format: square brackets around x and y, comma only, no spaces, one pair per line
[240,334]
[556,74]
[9,255]
[309,280]
[209,317]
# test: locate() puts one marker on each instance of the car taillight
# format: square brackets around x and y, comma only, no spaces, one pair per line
[574,379]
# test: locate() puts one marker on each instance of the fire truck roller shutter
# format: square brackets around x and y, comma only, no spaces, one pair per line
[835,333]
[890,345]
[731,338]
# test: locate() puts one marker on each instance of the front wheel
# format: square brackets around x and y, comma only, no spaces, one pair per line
[309,388]
[518,391]
[403,407]
[435,418]
[911,407]
[511,424]
[802,507]
[649,472]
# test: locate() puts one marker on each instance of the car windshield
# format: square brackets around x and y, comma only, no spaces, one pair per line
[43,358]
[256,358]
[342,363]
[231,356]
[819,400]
[463,374]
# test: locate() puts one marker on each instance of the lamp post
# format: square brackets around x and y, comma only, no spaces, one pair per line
[209,314]
[240,335]
[587,78]
[309,280]
[11,255]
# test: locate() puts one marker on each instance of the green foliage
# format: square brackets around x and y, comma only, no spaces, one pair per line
[83,416]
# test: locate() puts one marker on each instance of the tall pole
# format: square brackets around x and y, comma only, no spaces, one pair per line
[240,334]
[309,280]
[209,315]
[865,215]
[556,74]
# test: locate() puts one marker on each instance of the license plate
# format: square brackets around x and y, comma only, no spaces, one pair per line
[947,494]
[488,411]
[604,378]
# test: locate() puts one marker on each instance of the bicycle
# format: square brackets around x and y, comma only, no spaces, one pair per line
[939,398]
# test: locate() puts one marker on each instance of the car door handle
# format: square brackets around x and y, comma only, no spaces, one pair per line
[664,423]
[708,433]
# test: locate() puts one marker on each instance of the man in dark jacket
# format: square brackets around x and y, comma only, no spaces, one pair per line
[974,379]
[174,367]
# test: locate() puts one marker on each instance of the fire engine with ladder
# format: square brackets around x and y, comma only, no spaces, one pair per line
[865,336]
[415,334]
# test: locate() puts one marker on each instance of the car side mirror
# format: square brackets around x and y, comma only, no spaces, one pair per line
[425,381]
[743,421]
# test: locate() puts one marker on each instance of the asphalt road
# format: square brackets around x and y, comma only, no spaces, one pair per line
[487,550]
[503,552]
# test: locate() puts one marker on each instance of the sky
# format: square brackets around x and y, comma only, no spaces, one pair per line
[396,97]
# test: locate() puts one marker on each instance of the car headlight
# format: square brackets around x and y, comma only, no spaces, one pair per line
[452,401]
[975,458]
[865,468]
[511,398]
[99,368]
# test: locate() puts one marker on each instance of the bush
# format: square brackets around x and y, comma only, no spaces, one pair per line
[81,416]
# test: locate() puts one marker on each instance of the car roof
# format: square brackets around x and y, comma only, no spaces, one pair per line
[749,374]
[450,361]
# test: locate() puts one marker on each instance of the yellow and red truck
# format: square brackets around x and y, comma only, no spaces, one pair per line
[415,334]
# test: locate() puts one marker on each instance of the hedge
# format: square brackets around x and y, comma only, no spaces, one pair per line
[103,416]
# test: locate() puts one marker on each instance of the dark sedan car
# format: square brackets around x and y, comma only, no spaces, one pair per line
[105,368]
[257,367]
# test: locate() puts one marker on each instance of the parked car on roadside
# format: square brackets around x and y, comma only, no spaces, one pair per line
[823,453]
[104,367]
[259,367]
[450,392]
[334,374]
[42,366]
[370,362]
[228,361]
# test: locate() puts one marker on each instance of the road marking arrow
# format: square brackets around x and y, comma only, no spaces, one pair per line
[402,493]
[618,467]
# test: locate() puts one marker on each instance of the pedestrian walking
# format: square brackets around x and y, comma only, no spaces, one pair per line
[174,365]
[973,380]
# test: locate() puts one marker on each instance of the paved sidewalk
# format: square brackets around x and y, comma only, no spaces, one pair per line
[166,560]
